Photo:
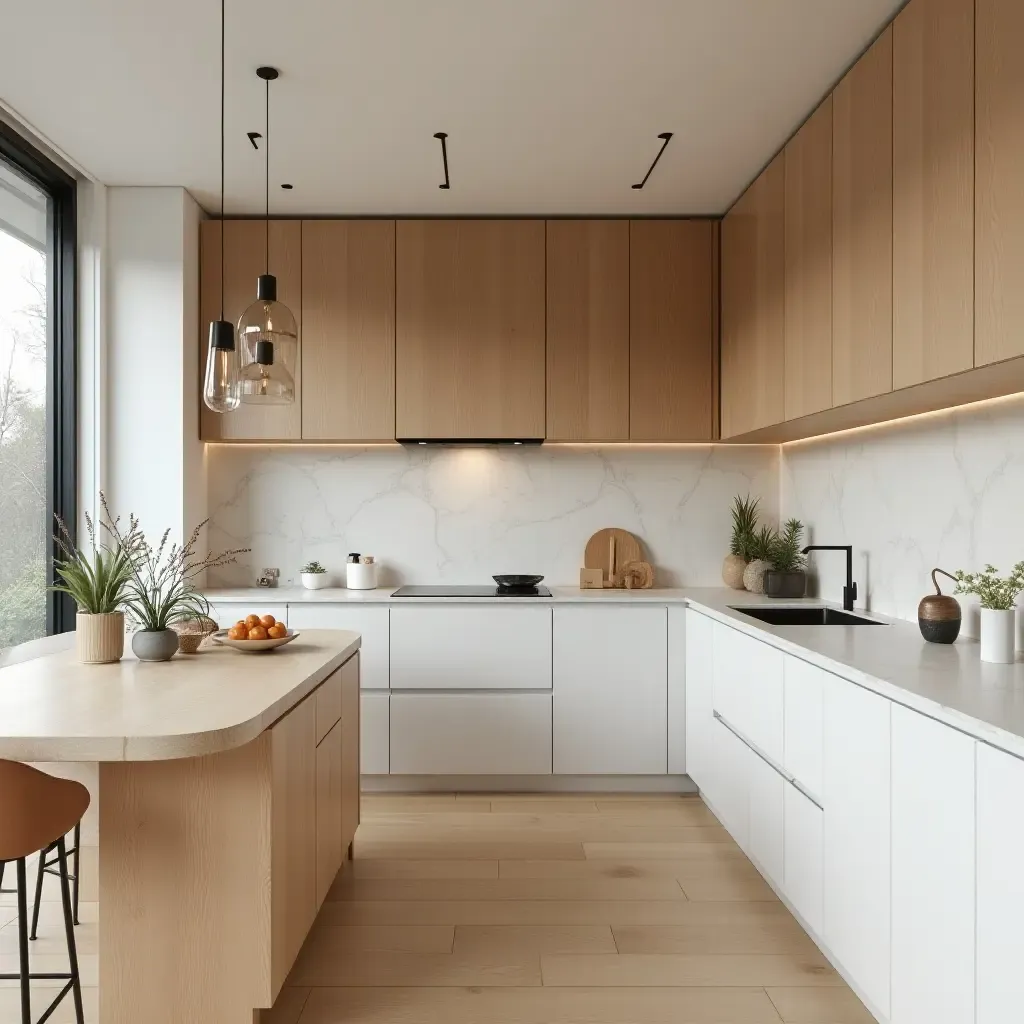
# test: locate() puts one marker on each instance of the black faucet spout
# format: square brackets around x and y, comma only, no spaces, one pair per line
[850,590]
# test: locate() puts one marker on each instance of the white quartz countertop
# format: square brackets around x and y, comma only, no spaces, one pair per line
[55,709]
[384,595]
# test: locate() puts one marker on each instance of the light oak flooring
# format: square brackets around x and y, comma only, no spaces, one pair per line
[535,910]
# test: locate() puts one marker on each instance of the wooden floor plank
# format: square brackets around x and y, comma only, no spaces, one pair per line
[428,868]
[699,846]
[737,869]
[506,940]
[412,848]
[385,938]
[776,934]
[820,1006]
[289,1006]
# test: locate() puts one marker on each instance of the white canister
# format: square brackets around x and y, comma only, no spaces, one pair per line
[359,576]
[998,635]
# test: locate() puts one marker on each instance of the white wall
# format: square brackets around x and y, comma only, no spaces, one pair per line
[943,490]
[459,515]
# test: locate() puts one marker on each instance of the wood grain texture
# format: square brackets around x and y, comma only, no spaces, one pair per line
[753,305]
[672,344]
[933,190]
[348,336]
[328,703]
[808,305]
[350,752]
[999,163]
[244,260]
[470,329]
[862,227]
[329,797]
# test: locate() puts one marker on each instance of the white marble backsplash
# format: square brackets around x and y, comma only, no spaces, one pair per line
[457,515]
[943,490]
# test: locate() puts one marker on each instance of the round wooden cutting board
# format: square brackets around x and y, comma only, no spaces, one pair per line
[611,550]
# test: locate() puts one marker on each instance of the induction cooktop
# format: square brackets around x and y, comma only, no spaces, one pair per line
[472,591]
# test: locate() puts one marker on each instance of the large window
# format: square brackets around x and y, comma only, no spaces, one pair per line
[37,386]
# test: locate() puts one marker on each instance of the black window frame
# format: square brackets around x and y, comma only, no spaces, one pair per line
[61,349]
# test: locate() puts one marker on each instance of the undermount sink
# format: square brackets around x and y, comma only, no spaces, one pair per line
[806,616]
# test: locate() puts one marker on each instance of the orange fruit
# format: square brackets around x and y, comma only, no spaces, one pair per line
[238,632]
[282,625]
[277,631]
[257,633]
[252,620]
[266,621]
[241,624]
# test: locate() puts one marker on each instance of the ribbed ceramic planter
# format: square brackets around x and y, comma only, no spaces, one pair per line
[732,571]
[99,639]
[155,644]
[998,635]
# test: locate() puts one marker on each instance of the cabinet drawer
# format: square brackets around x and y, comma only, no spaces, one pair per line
[466,648]
[804,857]
[767,796]
[803,724]
[730,791]
[328,704]
[374,738]
[471,734]
[371,623]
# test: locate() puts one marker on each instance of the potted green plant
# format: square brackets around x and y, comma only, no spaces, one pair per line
[787,576]
[96,579]
[314,576]
[745,512]
[162,589]
[998,613]
[760,549]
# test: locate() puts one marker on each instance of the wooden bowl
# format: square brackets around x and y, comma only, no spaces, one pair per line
[252,646]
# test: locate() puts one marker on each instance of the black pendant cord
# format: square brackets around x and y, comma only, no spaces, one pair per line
[223,5]
[266,150]
[665,137]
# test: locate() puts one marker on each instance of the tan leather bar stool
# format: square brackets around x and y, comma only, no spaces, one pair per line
[36,812]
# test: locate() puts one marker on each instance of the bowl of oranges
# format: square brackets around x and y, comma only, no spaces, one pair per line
[255,633]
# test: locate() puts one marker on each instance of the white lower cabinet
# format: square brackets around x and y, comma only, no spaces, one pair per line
[802,875]
[857,837]
[765,841]
[609,682]
[802,728]
[677,730]
[371,622]
[700,639]
[374,730]
[730,791]
[1000,886]
[470,734]
[933,871]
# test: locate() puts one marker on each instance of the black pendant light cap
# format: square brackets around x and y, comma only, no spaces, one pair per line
[265,353]
[268,74]
[222,335]
[266,288]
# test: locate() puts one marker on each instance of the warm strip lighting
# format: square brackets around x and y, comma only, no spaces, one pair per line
[896,424]
[302,444]
[657,444]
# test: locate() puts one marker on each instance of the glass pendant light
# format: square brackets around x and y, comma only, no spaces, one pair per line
[221,389]
[267,329]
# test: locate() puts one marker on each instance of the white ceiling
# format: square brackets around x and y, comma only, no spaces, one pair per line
[552,106]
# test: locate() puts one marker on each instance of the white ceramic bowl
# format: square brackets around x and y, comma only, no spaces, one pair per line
[252,646]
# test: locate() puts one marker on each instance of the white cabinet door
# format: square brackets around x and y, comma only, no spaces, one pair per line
[610,683]
[471,734]
[933,872]
[856,797]
[374,733]
[486,647]
[802,882]
[748,688]
[227,614]
[677,728]
[700,641]
[767,795]
[802,723]
[730,791]
[370,623]
[1000,886]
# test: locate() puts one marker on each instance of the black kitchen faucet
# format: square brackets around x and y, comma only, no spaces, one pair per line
[850,590]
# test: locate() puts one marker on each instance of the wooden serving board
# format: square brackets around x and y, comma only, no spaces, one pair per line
[611,550]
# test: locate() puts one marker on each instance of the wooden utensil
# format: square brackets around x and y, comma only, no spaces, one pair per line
[611,550]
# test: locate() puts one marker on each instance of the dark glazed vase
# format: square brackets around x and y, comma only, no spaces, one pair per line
[785,584]
[938,614]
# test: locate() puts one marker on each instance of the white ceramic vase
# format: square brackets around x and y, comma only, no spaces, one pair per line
[315,580]
[998,635]
[99,639]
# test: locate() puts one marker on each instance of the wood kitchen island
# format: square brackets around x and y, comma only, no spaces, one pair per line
[229,796]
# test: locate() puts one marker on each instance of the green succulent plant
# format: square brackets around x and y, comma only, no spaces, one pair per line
[313,567]
[745,513]
[762,544]
[785,554]
[995,592]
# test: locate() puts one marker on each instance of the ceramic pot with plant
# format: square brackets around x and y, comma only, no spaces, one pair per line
[745,512]
[998,612]
[760,550]
[788,576]
[162,590]
[314,576]
[96,579]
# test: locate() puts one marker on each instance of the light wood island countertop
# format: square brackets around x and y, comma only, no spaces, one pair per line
[55,709]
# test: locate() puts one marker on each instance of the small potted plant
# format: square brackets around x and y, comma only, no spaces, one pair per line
[97,580]
[998,618]
[314,576]
[760,549]
[745,512]
[787,577]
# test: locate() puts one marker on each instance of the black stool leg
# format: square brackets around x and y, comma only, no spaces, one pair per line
[69,928]
[78,866]
[26,997]
[39,895]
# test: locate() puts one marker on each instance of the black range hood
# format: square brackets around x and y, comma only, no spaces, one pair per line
[470,442]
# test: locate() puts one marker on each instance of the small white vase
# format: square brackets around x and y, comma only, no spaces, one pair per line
[998,635]
[315,580]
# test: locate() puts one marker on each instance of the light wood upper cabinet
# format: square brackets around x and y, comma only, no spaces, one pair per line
[808,273]
[999,209]
[470,329]
[245,255]
[588,330]
[348,335]
[933,190]
[672,301]
[753,306]
[862,227]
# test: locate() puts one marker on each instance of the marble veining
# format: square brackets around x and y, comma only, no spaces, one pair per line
[458,515]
